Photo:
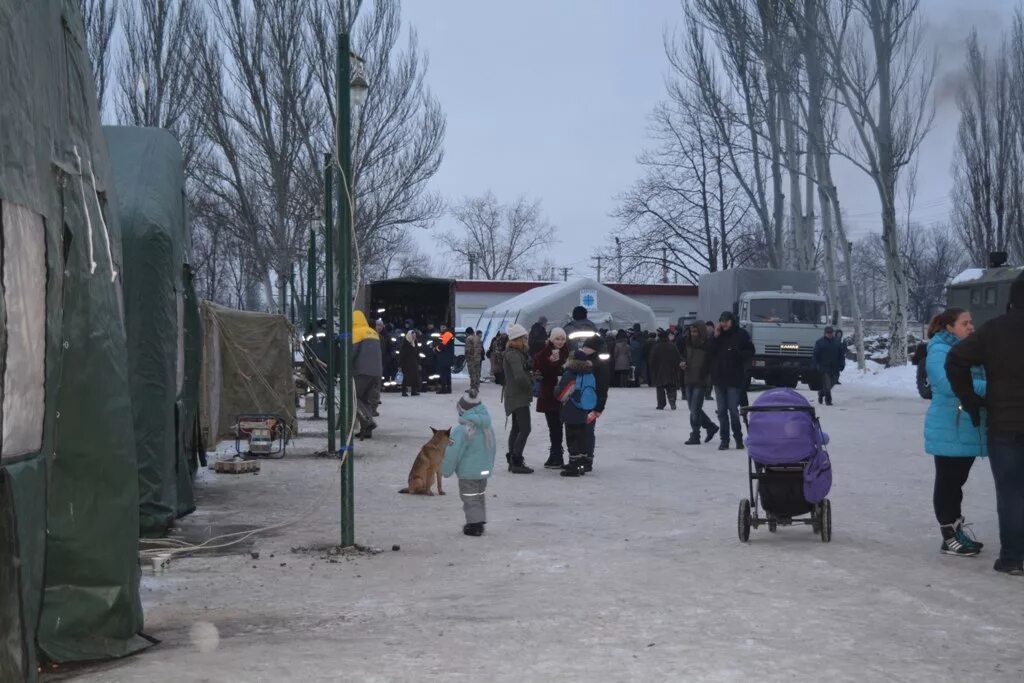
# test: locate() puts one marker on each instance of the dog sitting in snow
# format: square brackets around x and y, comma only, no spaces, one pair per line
[427,465]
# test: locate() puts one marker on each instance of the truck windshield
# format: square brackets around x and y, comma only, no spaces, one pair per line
[787,311]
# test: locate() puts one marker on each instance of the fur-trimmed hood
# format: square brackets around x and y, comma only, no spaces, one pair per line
[579,366]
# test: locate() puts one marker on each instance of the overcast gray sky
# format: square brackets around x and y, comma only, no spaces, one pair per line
[551,98]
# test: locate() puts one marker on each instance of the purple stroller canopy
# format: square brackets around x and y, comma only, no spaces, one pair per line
[781,437]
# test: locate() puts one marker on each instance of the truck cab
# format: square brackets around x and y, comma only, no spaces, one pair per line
[784,326]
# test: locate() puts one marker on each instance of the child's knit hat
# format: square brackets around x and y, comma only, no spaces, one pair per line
[468,401]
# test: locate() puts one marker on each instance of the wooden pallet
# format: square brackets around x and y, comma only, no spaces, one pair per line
[237,466]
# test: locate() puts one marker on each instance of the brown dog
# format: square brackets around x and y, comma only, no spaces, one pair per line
[427,465]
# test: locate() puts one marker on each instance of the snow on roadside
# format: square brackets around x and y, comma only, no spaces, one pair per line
[899,381]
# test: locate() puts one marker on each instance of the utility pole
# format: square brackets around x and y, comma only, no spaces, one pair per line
[329,246]
[343,78]
[472,267]
[618,257]
[565,274]
[664,265]
[598,259]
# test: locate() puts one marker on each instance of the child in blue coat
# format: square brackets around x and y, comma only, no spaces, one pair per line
[470,456]
[949,434]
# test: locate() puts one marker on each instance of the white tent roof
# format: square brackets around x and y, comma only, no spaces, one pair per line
[606,308]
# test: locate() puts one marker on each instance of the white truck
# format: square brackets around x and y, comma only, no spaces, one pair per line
[782,311]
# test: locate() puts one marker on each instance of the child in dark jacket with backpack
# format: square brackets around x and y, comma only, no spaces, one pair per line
[583,392]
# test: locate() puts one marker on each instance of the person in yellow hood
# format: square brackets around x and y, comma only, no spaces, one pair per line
[367,368]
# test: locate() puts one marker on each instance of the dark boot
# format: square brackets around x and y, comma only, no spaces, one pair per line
[694,440]
[574,468]
[739,443]
[588,463]
[474,529]
[508,460]
[672,405]
[724,446]
[518,466]
[554,461]
[712,430]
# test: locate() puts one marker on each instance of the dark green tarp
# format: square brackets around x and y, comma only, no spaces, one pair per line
[68,456]
[150,181]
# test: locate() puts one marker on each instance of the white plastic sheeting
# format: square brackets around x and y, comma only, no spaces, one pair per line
[24,291]
[606,308]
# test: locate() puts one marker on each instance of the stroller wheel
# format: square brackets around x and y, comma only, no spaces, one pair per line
[816,519]
[826,521]
[743,524]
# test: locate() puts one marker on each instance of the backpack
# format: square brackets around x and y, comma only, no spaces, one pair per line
[584,396]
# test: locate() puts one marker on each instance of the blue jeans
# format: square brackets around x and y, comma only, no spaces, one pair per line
[1006,457]
[698,418]
[728,399]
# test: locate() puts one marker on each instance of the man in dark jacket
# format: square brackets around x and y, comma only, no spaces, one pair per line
[538,336]
[731,351]
[829,361]
[445,350]
[665,360]
[996,347]
[580,329]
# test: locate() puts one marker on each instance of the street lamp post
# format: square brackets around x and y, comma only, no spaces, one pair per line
[349,91]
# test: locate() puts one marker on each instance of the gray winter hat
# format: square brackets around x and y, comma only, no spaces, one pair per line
[468,401]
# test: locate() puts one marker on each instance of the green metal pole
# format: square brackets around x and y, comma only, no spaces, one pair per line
[311,282]
[329,255]
[344,180]
[311,295]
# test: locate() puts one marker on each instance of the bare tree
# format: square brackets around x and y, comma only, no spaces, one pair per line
[100,18]
[988,204]
[398,134]
[260,110]
[502,239]
[403,257]
[159,83]
[746,115]
[684,215]
[883,78]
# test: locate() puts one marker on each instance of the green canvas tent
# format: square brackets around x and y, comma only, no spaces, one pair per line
[68,481]
[161,315]
[247,368]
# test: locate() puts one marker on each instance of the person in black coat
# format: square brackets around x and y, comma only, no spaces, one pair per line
[409,362]
[664,364]
[996,347]
[829,361]
[731,352]
[538,336]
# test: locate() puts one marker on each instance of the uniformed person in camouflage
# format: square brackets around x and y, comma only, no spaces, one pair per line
[474,360]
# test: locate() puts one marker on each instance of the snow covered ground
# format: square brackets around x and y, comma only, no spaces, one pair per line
[632,573]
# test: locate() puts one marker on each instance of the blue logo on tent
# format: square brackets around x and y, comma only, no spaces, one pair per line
[589,301]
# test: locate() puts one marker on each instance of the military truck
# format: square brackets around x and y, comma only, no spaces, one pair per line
[985,292]
[782,311]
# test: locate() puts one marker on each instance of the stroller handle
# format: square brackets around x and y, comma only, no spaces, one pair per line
[777,409]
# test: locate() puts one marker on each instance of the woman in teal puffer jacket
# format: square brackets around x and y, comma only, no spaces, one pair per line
[949,434]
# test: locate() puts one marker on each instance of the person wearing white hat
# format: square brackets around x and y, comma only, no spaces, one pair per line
[518,397]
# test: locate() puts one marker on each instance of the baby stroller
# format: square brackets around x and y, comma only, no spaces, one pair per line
[788,460]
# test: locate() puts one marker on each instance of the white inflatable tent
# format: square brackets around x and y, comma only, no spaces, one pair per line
[606,308]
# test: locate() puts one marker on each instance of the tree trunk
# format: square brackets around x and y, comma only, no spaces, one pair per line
[896,278]
[828,244]
[798,253]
